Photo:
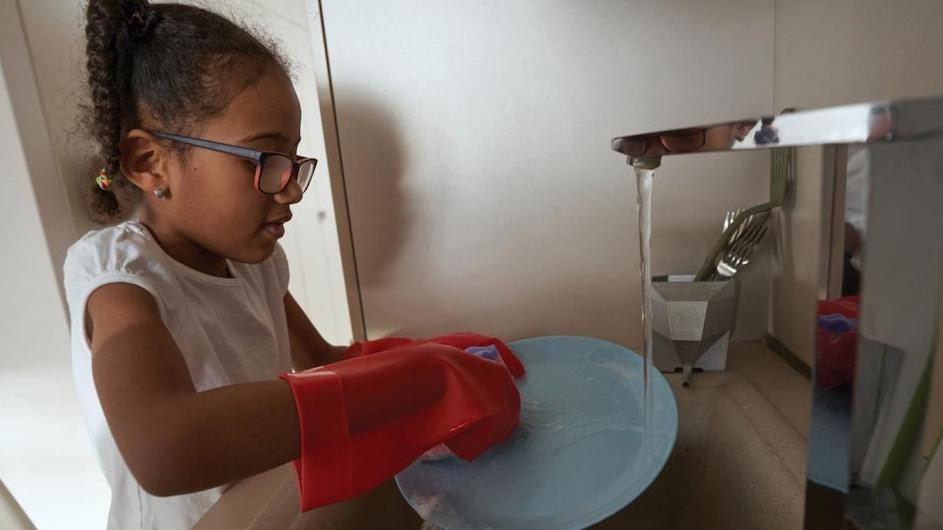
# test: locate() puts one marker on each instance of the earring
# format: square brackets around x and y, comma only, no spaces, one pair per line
[160,192]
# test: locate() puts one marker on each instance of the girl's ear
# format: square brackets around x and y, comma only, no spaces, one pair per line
[144,160]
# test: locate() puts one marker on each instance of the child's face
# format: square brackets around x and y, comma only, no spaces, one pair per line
[218,206]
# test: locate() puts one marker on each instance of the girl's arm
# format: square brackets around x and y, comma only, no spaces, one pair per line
[308,347]
[174,439]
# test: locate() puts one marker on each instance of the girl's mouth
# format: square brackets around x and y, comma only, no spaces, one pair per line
[276,227]
[275,230]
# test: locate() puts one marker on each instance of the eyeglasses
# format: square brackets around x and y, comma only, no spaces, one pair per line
[273,171]
[680,141]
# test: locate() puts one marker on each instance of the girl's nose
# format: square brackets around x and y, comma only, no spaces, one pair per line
[290,195]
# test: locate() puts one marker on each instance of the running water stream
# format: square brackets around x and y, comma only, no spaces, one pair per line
[645,174]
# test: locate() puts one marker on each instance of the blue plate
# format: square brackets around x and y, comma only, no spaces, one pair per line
[577,456]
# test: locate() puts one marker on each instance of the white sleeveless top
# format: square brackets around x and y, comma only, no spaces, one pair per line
[229,330]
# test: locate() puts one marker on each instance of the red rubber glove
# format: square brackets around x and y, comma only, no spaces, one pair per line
[367,418]
[460,340]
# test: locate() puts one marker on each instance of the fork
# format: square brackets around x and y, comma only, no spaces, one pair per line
[728,236]
[730,216]
[738,255]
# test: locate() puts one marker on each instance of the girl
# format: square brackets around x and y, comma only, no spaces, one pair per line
[184,336]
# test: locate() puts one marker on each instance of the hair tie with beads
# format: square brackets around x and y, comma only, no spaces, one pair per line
[103,180]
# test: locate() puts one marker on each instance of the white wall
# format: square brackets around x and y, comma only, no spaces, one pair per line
[46,460]
[829,53]
[475,140]
[12,516]
[846,51]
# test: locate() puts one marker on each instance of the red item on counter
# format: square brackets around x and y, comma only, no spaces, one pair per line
[364,419]
[836,341]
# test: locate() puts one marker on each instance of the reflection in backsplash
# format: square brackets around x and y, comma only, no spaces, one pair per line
[874,336]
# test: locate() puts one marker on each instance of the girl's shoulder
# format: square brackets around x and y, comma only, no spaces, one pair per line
[125,248]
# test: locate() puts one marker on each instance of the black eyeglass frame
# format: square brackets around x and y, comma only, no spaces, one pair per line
[259,157]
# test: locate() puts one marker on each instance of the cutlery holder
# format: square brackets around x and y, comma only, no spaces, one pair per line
[692,322]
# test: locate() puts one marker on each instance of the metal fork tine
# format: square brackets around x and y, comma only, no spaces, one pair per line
[762,234]
[740,228]
[735,250]
[750,231]
[761,222]
[752,243]
[758,236]
[741,245]
[751,240]
[747,240]
[744,246]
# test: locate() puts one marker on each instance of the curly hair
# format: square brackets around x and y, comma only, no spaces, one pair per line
[160,65]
